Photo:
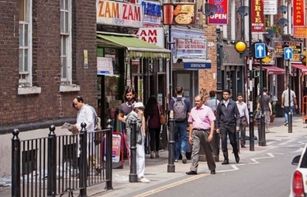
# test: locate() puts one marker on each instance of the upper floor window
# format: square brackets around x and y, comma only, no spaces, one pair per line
[25,43]
[66,43]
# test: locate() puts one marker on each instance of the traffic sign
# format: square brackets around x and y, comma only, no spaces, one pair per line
[260,50]
[288,53]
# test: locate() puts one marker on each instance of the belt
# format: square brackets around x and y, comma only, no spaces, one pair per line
[198,129]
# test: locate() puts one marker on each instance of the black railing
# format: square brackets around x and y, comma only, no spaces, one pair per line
[56,165]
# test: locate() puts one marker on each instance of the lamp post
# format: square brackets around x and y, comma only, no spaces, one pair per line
[250,67]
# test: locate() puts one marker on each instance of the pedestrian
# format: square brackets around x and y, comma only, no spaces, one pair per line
[265,107]
[180,107]
[124,109]
[244,118]
[212,102]
[227,115]
[152,116]
[285,103]
[201,130]
[137,115]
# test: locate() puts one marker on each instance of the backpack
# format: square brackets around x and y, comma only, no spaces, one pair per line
[180,111]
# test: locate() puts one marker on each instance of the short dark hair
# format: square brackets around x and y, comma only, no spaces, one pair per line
[212,93]
[239,94]
[265,89]
[226,90]
[179,90]
[79,99]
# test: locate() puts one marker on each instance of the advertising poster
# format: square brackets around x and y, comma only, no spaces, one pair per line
[220,17]
[179,13]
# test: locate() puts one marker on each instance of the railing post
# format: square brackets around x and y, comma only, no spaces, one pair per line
[51,164]
[171,146]
[133,175]
[15,164]
[109,155]
[83,160]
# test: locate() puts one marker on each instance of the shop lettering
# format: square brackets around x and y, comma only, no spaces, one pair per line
[258,12]
[152,9]
[149,36]
[219,16]
[111,9]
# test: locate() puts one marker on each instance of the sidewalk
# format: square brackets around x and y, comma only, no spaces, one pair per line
[156,169]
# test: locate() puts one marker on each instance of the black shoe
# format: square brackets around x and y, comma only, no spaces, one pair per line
[237,158]
[212,172]
[243,146]
[225,162]
[191,173]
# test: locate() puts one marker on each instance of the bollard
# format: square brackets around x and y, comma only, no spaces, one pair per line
[15,164]
[83,160]
[261,131]
[290,120]
[109,155]
[133,175]
[251,132]
[51,164]
[171,146]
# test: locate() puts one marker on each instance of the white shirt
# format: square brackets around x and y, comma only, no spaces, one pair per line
[285,96]
[226,103]
[87,115]
[242,107]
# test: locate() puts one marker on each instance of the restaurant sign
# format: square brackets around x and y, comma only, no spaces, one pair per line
[257,16]
[153,35]
[298,12]
[152,13]
[119,13]
[220,17]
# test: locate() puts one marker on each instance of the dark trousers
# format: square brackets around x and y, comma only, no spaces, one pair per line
[231,132]
[154,139]
[215,144]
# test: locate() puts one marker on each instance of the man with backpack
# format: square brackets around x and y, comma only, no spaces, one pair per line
[180,107]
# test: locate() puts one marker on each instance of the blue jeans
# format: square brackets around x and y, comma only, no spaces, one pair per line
[180,139]
[286,112]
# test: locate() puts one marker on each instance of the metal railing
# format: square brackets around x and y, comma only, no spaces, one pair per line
[56,165]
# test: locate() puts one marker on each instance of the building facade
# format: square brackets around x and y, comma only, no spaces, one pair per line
[48,56]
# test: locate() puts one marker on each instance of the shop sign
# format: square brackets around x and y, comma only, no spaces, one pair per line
[296,46]
[189,43]
[220,17]
[104,66]
[179,13]
[197,65]
[153,35]
[298,12]
[300,32]
[119,14]
[152,12]
[270,7]
[257,16]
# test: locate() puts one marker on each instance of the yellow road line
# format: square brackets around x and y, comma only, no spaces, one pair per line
[171,185]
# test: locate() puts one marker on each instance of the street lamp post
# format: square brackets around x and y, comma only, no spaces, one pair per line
[289,98]
[251,115]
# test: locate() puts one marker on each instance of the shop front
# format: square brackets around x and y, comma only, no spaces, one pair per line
[189,56]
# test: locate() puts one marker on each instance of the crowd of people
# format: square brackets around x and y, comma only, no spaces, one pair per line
[207,126]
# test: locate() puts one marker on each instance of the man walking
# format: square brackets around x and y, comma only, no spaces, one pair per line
[201,129]
[265,107]
[244,118]
[227,116]
[285,103]
[181,107]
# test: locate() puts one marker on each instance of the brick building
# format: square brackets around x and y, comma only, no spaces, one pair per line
[47,56]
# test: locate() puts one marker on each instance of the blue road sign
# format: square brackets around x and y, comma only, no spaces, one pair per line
[288,53]
[260,50]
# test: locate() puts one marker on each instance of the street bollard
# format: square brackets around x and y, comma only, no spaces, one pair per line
[83,160]
[133,175]
[15,164]
[290,120]
[261,131]
[251,132]
[51,165]
[109,155]
[171,146]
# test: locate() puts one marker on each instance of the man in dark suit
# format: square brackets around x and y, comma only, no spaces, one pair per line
[227,117]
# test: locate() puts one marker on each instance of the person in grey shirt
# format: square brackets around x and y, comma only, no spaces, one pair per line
[227,118]
[264,105]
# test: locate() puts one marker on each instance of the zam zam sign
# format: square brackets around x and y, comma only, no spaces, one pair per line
[119,13]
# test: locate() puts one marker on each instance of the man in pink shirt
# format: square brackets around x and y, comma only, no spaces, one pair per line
[201,127]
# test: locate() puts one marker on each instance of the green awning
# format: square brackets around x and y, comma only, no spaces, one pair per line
[136,47]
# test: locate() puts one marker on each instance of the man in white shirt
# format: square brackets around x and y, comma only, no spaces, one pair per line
[285,103]
[244,118]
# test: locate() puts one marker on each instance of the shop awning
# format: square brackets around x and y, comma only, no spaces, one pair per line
[301,67]
[136,48]
[274,70]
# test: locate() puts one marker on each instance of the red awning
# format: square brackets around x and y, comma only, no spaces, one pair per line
[301,67]
[274,70]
